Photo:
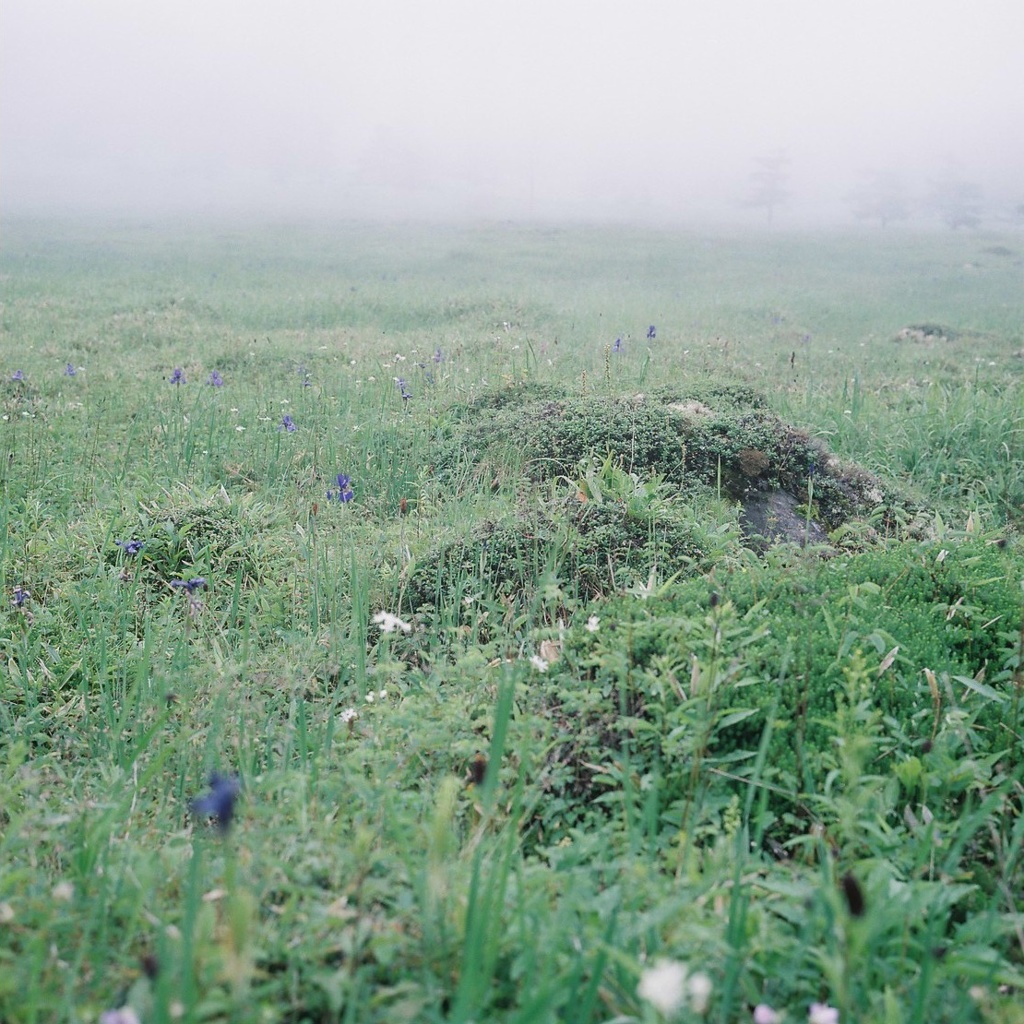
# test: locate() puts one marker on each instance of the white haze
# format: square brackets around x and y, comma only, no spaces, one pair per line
[646,109]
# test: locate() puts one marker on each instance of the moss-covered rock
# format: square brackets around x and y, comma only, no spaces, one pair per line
[714,435]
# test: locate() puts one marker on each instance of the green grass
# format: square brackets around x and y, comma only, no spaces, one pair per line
[616,732]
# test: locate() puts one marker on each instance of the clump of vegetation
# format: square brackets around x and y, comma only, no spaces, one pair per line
[736,448]
[603,530]
[196,533]
[928,332]
[937,630]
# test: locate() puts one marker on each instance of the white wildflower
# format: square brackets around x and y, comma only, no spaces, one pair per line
[538,663]
[764,1014]
[663,986]
[389,623]
[593,624]
[699,987]
[370,697]
[349,715]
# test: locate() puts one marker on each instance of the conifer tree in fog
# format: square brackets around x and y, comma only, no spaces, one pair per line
[768,183]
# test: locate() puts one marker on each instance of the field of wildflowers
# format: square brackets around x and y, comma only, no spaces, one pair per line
[387,633]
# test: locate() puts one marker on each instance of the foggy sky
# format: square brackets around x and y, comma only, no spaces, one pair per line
[525,108]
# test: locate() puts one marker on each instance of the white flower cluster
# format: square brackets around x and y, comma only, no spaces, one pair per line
[390,623]
[669,983]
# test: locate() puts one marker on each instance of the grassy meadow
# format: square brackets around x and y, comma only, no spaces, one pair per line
[505,623]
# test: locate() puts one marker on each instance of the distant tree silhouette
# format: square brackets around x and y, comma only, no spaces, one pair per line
[880,197]
[768,183]
[956,200]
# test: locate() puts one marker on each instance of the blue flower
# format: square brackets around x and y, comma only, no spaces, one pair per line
[215,380]
[438,356]
[650,331]
[341,491]
[130,547]
[178,376]
[21,596]
[617,347]
[219,803]
[69,370]
[403,389]
[192,585]
[288,424]
[18,375]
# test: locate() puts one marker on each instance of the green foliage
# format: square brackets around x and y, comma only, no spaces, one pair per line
[783,638]
[606,529]
[594,729]
[737,449]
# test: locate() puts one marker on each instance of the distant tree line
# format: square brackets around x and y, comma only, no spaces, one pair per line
[880,196]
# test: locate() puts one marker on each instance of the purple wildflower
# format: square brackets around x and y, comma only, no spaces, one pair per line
[126,1015]
[617,347]
[341,491]
[288,424]
[21,596]
[651,331]
[178,376]
[403,389]
[130,547]
[18,375]
[69,370]
[192,585]
[438,356]
[219,803]
[215,380]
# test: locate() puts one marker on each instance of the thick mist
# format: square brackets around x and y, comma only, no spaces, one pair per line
[793,111]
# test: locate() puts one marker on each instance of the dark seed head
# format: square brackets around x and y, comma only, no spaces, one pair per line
[150,966]
[713,599]
[854,895]
[478,770]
